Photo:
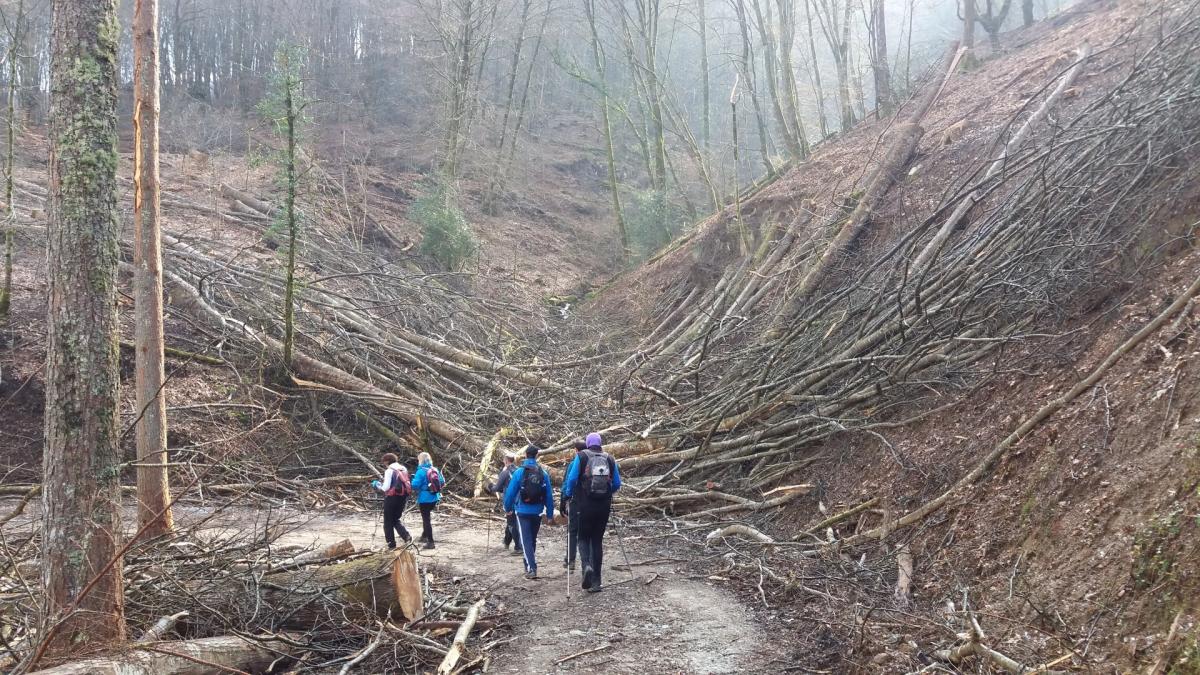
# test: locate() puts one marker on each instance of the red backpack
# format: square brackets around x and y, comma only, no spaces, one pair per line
[400,487]
[433,481]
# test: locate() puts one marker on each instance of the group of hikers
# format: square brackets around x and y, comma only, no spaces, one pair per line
[527,494]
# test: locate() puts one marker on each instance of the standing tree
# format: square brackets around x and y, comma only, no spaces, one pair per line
[14,38]
[834,17]
[284,107]
[153,488]
[993,19]
[968,19]
[1027,13]
[600,63]
[877,33]
[81,526]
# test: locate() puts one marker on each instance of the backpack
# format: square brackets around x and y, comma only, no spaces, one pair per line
[533,487]
[400,487]
[596,477]
[434,481]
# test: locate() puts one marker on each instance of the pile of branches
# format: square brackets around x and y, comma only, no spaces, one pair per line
[861,346]
[224,593]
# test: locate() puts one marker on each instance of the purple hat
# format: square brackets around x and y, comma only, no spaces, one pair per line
[593,440]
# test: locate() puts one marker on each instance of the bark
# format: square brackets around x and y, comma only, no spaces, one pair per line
[152,480]
[81,525]
[879,60]
[968,17]
[14,40]
[1027,13]
[204,656]
[460,640]
[614,189]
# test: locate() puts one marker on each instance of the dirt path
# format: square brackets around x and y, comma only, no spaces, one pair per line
[660,622]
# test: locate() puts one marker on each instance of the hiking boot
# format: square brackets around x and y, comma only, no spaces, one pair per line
[589,576]
[569,565]
[428,545]
[516,551]
[593,589]
[531,575]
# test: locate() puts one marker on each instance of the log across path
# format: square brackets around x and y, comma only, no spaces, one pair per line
[664,622]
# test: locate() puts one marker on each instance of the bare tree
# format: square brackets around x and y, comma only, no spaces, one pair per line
[600,63]
[14,39]
[993,19]
[81,528]
[968,19]
[154,513]
[877,34]
[834,17]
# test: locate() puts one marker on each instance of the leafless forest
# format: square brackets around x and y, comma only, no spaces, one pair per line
[885,308]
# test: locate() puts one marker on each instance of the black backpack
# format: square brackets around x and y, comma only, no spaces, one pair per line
[533,485]
[596,477]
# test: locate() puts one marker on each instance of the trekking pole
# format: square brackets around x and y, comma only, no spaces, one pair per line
[568,558]
[621,541]
[521,535]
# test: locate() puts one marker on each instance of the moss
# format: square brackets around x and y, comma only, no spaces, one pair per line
[1153,561]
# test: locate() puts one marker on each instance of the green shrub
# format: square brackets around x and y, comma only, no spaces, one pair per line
[652,221]
[445,234]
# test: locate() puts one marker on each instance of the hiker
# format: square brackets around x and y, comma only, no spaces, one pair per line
[510,520]
[529,493]
[572,515]
[590,483]
[427,482]
[396,489]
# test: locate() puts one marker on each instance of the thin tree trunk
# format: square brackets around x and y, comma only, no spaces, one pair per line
[705,84]
[770,51]
[81,527]
[289,296]
[153,487]
[493,186]
[816,72]
[879,60]
[968,16]
[14,38]
[1027,13]
[601,70]
[787,38]
[747,67]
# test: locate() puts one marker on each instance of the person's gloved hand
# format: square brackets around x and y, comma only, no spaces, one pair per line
[376,484]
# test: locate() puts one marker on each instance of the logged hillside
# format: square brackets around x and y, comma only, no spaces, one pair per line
[926,398]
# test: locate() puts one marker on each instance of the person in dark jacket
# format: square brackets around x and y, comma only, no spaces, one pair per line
[427,482]
[395,489]
[527,501]
[572,515]
[591,480]
[499,488]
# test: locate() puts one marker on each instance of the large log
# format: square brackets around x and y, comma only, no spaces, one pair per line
[205,656]
[379,585]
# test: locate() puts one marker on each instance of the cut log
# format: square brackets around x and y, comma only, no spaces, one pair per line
[485,462]
[740,529]
[205,656]
[329,553]
[904,572]
[460,639]
[162,627]
[407,582]
[363,589]
[259,206]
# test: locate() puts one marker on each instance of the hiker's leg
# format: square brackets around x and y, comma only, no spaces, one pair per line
[585,547]
[390,518]
[404,535]
[508,531]
[526,527]
[598,543]
[515,533]
[572,534]
[426,524]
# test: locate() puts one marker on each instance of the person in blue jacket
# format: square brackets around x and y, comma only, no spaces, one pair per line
[427,482]
[528,498]
[591,480]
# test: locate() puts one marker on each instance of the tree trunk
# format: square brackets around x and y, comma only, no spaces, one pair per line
[879,60]
[184,657]
[705,81]
[154,513]
[822,121]
[14,40]
[968,17]
[1027,13]
[81,525]
[601,74]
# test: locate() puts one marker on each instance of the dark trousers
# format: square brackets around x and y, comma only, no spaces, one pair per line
[528,527]
[572,533]
[593,520]
[393,508]
[510,533]
[426,523]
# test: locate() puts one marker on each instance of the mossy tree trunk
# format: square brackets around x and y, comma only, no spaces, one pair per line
[153,488]
[81,529]
[291,85]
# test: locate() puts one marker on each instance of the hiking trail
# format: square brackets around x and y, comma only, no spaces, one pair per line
[663,621]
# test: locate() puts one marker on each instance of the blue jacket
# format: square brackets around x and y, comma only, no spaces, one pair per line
[512,496]
[420,485]
[576,468]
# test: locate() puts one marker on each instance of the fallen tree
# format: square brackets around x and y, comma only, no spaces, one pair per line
[203,656]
